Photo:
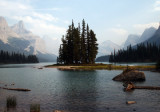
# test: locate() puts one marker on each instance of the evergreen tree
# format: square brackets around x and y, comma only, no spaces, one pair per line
[69,40]
[78,46]
[64,52]
[88,45]
[83,43]
[60,58]
[93,46]
[111,59]
[6,57]
[158,65]
[142,53]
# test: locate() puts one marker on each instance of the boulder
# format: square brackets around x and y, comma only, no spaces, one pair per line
[130,75]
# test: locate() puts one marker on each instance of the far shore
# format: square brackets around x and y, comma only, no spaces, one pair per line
[100,67]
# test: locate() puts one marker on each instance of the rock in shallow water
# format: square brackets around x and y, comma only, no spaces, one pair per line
[130,75]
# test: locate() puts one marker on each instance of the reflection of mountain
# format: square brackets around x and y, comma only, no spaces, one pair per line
[18,39]
[107,47]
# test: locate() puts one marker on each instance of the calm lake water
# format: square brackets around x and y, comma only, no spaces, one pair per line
[130,64]
[75,91]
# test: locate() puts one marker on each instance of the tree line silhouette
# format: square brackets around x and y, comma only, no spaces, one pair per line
[78,45]
[141,53]
[6,57]
[158,65]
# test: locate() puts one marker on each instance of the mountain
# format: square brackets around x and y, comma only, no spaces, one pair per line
[103,58]
[131,40]
[10,41]
[5,31]
[106,47]
[155,38]
[18,39]
[35,41]
[149,32]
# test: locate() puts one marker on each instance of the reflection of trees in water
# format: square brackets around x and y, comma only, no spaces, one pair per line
[79,91]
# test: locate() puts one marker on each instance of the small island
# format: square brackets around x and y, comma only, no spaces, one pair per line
[99,67]
[79,49]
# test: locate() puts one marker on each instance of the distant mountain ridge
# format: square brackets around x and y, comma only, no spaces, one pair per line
[150,35]
[106,47]
[103,58]
[155,38]
[35,41]
[133,40]
[18,39]
[5,31]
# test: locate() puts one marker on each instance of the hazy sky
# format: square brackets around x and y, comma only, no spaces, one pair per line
[110,19]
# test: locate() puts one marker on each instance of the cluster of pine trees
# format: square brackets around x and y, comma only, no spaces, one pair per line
[78,45]
[6,57]
[158,65]
[141,53]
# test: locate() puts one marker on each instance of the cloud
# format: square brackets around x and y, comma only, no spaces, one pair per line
[139,28]
[48,9]
[37,22]
[118,25]
[157,5]
[41,27]
[118,31]
[47,17]
[117,35]
[9,8]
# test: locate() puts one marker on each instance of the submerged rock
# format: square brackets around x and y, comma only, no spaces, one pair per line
[130,75]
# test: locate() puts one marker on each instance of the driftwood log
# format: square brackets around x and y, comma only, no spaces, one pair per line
[131,86]
[16,89]
[130,102]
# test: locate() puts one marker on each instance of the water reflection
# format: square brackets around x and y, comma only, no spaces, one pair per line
[35,65]
[131,64]
[79,91]
[35,108]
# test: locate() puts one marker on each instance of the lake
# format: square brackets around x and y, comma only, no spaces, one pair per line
[75,91]
[131,64]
